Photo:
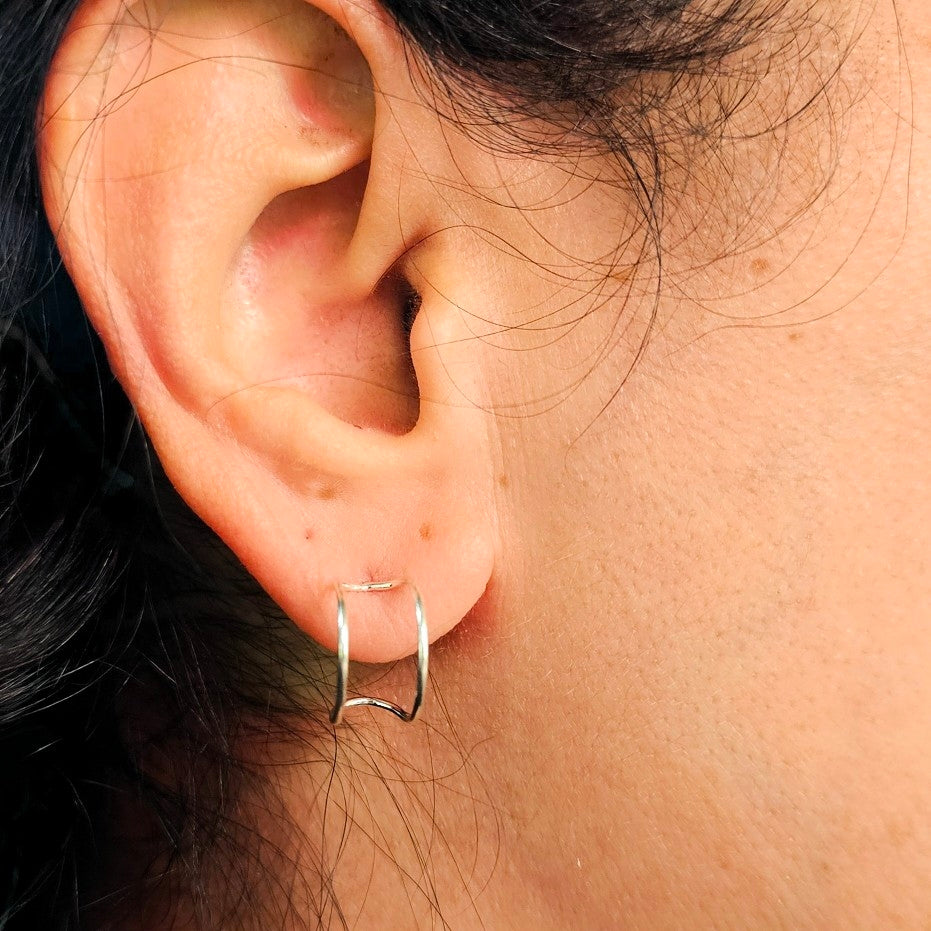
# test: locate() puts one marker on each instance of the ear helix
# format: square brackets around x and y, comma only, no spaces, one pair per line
[342,652]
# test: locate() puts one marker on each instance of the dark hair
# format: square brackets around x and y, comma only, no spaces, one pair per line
[109,604]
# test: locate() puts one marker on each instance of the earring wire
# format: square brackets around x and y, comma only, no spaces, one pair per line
[342,652]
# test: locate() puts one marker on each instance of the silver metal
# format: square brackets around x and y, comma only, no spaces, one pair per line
[342,652]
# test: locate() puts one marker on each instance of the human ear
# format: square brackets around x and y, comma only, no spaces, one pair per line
[224,181]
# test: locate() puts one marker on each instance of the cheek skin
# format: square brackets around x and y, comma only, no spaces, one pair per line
[718,575]
[718,626]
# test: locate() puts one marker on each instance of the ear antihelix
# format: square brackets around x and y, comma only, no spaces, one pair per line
[296,314]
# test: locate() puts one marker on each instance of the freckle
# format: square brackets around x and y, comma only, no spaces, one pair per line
[794,336]
[426,531]
[760,266]
[326,492]
[503,481]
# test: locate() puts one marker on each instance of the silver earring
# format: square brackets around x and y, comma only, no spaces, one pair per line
[342,652]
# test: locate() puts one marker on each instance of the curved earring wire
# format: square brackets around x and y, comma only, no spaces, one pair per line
[342,653]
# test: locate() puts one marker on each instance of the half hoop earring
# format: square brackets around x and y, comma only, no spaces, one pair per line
[342,652]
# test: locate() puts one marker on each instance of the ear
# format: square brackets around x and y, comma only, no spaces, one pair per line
[225,183]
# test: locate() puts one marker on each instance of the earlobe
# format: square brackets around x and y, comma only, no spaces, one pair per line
[224,188]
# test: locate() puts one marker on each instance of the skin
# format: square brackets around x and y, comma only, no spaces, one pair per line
[694,690]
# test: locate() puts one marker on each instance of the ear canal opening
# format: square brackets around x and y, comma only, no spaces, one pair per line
[412,302]
[296,315]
